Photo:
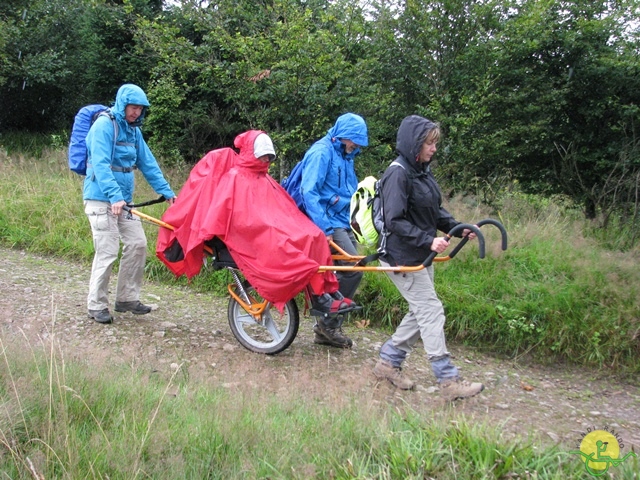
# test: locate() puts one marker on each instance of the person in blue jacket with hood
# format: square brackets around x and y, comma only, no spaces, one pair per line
[327,182]
[108,186]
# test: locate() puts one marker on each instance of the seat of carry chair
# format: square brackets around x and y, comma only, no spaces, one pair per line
[220,256]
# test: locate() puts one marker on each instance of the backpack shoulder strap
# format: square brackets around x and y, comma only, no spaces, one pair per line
[109,114]
[384,233]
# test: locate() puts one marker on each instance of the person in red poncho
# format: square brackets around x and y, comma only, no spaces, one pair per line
[278,249]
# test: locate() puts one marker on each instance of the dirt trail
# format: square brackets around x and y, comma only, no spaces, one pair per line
[556,405]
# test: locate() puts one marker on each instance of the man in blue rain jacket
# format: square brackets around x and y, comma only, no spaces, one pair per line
[108,187]
[328,180]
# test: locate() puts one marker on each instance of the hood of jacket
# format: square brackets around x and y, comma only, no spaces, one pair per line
[411,134]
[130,94]
[246,157]
[351,127]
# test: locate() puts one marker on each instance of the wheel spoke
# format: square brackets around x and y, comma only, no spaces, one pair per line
[246,318]
[271,326]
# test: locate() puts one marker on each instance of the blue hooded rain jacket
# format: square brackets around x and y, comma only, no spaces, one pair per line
[328,174]
[105,184]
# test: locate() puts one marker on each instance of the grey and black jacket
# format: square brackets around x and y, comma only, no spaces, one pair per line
[412,200]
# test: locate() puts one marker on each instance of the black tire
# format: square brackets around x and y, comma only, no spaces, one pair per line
[272,334]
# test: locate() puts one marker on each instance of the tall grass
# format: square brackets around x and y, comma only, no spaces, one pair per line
[555,294]
[59,420]
[32,144]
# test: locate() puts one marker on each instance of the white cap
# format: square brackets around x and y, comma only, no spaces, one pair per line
[263,146]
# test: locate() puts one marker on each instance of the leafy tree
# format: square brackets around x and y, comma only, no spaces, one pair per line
[57,55]
[34,65]
[281,66]
[564,84]
[538,93]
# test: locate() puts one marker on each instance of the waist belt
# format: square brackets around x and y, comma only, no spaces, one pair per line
[124,169]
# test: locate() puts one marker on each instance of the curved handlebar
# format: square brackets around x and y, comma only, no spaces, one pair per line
[452,232]
[463,242]
[130,206]
[500,227]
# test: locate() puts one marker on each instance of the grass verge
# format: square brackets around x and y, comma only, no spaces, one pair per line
[61,420]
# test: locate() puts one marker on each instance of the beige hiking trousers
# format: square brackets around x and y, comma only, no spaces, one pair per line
[425,318]
[108,230]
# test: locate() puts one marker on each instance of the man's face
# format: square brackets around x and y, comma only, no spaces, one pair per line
[349,146]
[132,112]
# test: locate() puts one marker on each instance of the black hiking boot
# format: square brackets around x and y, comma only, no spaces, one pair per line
[136,307]
[331,336]
[101,316]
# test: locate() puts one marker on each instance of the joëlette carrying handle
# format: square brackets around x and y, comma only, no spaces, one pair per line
[458,228]
[345,256]
[130,209]
[160,199]
[473,228]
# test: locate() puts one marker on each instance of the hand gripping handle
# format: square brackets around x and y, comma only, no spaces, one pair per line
[458,228]
[463,242]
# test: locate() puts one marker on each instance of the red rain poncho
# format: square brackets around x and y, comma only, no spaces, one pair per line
[231,196]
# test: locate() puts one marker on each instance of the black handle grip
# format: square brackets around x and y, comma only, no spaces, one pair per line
[160,199]
[500,227]
[458,228]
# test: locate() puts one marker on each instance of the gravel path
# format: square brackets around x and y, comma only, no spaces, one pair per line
[43,299]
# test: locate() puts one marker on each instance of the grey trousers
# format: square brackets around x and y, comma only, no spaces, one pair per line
[349,281]
[108,230]
[425,319]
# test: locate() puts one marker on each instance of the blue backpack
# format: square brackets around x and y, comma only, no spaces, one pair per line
[292,185]
[81,125]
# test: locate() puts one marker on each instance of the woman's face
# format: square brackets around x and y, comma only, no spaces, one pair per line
[428,149]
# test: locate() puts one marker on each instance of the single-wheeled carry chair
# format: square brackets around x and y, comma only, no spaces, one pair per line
[262,328]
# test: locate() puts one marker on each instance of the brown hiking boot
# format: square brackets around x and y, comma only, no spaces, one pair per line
[384,370]
[331,336]
[455,388]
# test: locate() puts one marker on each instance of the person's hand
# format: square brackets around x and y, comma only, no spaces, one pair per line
[466,232]
[171,200]
[439,244]
[116,208]
[329,238]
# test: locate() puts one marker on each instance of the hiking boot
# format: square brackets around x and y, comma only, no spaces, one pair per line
[331,336]
[136,307]
[101,316]
[455,388]
[384,370]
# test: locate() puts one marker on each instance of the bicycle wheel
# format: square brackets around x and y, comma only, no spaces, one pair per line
[272,334]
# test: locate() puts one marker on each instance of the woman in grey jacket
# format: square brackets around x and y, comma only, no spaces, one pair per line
[413,214]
